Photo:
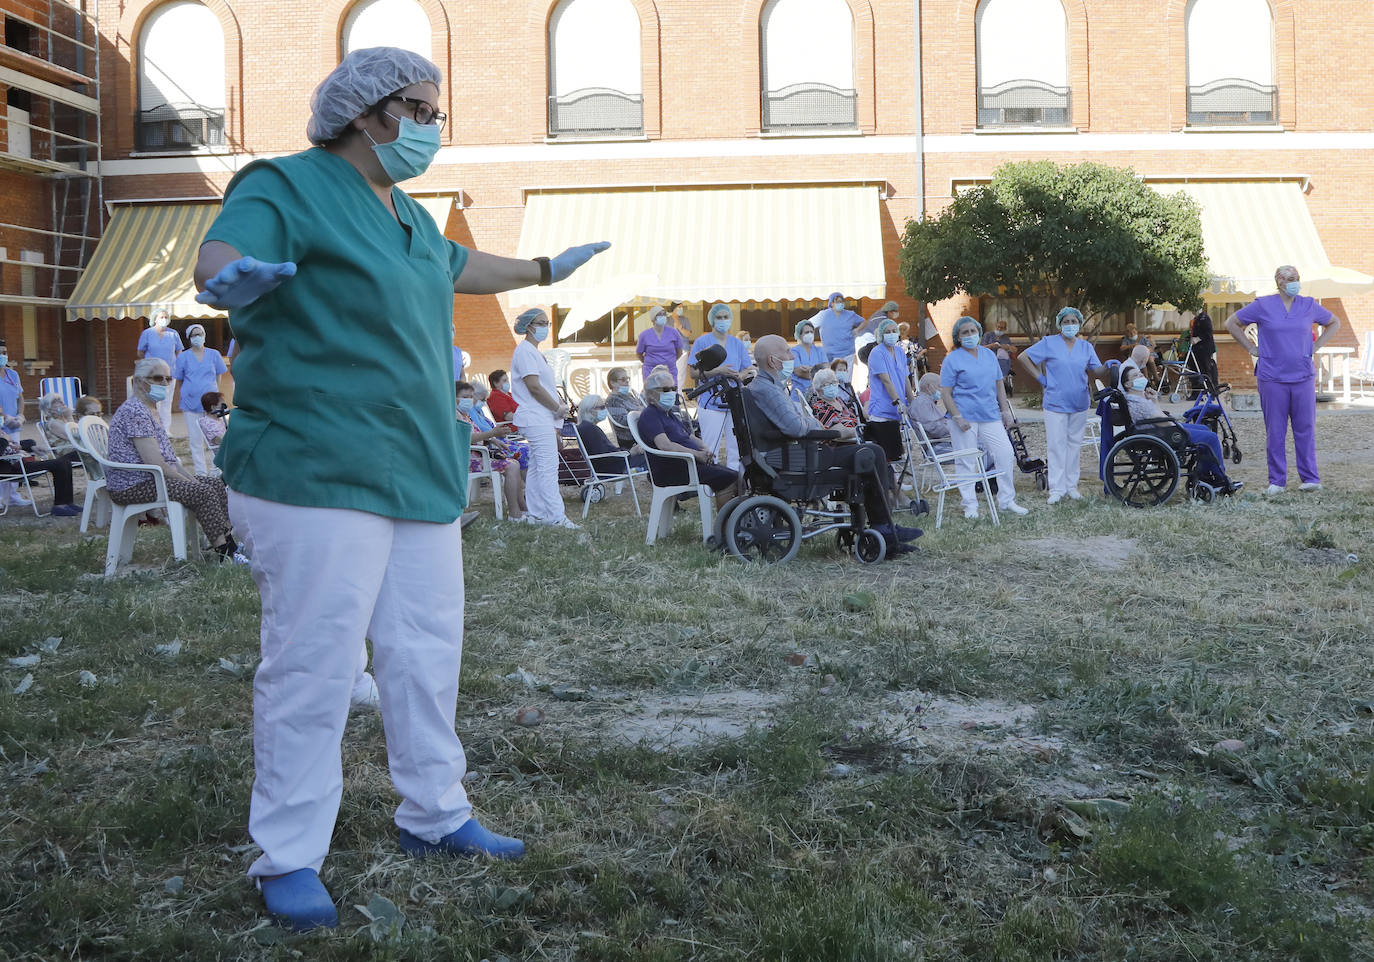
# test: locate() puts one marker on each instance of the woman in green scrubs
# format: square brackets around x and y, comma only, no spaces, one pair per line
[340,291]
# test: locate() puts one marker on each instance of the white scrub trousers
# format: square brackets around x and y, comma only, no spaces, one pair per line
[164,413]
[542,498]
[716,426]
[992,438]
[1063,438]
[196,439]
[329,577]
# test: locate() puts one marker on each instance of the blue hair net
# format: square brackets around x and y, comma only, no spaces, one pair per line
[832,297]
[523,322]
[362,79]
[954,331]
[1065,312]
[797,331]
[721,310]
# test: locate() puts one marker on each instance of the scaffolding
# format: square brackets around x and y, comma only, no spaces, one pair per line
[49,135]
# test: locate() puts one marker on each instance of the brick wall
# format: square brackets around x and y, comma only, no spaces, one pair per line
[1126,65]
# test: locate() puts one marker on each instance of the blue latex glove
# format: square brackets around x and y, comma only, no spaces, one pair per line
[574,257]
[243,281]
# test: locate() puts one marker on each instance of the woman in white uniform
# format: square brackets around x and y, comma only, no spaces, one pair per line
[539,417]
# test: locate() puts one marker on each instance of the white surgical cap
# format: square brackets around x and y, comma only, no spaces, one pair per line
[362,79]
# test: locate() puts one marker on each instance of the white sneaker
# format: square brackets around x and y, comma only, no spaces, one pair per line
[19,501]
[971,513]
[365,694]
[1273,489]
[565,522]
[1310,486]
[1054,499]
[1073,495]
[1013,507]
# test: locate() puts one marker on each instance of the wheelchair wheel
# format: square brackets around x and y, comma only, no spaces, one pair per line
[1204,492]
[1235,454]
[1175,398]
[1141,471]
[722,516]
[593,493]
[765,529]
[870,547]
[1042,480]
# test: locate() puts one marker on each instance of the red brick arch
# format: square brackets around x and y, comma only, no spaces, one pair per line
[1285,60]
[329,46]
[121,93]
[751,40]
[535,63]
[964,75]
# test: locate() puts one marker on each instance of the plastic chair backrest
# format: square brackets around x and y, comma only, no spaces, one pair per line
[95,436]
[95,471]
[1367,368]
[649,449]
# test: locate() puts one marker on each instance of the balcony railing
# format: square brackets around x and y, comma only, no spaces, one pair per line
[1232,101]
[1023,103]
[179,127]
[810,106]
[596,112]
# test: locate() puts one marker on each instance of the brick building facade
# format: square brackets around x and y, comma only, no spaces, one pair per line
[702,116]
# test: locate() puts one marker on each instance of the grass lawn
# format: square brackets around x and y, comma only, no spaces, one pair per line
[1001,748]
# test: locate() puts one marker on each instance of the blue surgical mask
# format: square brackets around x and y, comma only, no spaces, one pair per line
[1069,330]
[540,331]
[197,340]
[937,396]
[598,416]
[1139,383]
[721,324]
[503,387]
[842,377]
[837,306]
[1293,288]
[831,391]
[969,341]
[411,153]
[890,338]
[660,320]
[788,366]
[465,404]
[158,392]
[622,389]
[4,359]
[667,399]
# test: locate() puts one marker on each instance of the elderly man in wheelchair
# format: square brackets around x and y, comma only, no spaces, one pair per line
[1142,465]
[791,463]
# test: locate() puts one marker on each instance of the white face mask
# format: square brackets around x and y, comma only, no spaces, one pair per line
[197,340]
[809,337]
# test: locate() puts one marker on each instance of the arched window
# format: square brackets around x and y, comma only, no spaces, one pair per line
[388,23]
[808,65]
[1231,62]
[180,79]
[596,82]
[1023,63]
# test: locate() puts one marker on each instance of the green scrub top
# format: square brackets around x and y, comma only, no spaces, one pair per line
[344,383]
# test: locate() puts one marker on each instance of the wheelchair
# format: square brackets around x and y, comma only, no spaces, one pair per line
[785,482]
[1143,465]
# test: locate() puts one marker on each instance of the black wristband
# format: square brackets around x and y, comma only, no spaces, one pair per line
[545,271]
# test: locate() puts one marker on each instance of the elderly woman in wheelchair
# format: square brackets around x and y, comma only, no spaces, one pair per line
[1142,465]
[790,461]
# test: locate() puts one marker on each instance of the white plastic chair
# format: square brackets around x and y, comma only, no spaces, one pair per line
[948,479]
[614,470]
[661,509]
[1365,372]
[95,434]
[97,504]
[480,452]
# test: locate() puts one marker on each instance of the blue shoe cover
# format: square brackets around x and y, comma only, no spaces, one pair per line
[299,900]
[471,841]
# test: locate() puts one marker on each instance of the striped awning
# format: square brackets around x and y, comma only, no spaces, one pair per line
[709,243]
[1250,228]
[145,262]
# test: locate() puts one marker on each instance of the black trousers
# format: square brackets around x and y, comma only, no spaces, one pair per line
[869,462]
[61,472]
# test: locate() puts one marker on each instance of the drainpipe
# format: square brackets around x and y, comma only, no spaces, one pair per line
[920,118]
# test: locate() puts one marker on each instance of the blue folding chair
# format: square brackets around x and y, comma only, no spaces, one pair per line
[68,387]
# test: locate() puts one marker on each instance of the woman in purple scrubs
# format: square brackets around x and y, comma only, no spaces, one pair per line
[1286,373]
[660,344]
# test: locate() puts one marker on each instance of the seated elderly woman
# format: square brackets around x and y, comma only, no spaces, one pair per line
[829,403]
[620,402]
[17,462]
[211,420]
[55,416]
[661,430]
[1141,404]
[137,437]
[503,461]
[481,419]
[606,457]
[500,401]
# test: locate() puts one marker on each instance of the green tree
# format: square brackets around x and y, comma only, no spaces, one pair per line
[1047,235]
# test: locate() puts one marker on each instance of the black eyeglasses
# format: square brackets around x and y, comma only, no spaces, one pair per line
[158,379]
[424,113]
